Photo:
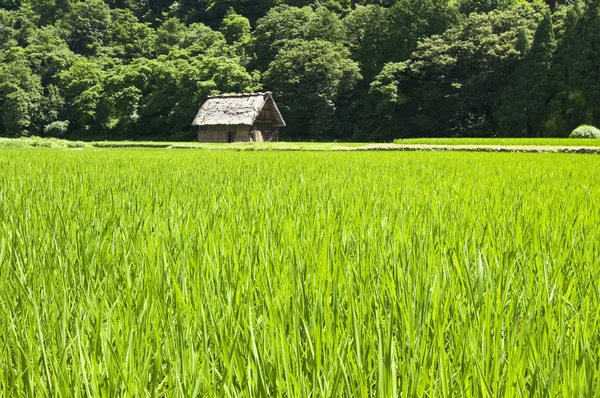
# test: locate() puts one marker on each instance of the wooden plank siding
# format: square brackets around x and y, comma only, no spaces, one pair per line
[240,133]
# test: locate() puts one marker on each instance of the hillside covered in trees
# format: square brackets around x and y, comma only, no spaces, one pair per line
[355,70]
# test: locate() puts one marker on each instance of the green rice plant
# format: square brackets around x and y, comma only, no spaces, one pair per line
[137,272]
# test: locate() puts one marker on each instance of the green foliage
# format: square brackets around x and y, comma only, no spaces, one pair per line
[50,10]
[85,25]
[585,131]
[58,128]
[129,38]
[235,27]
[20,94]
[367,34]
[309,77]
[82,87]
[469,6]
[577,77]
[523,44]
[430,67]
[8,33]
[452,81]
[281,25]
[523,104]
[148,97]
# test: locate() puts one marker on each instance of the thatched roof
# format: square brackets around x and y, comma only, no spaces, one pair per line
[235,109]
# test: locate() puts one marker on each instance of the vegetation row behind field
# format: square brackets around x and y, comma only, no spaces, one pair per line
[39,142]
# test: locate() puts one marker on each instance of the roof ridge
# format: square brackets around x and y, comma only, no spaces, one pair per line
[234,95]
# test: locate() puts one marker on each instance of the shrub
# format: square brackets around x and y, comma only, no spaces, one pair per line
[40,143]
[12,143]
[76,144]
[57,129]
[585,131]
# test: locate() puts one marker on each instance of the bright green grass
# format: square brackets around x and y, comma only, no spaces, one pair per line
[38,142]
[503,141]
[200,273]
[248,146]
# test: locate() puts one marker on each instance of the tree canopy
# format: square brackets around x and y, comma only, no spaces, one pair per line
[340,69]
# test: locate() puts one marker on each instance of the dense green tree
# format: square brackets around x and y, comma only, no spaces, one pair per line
[154,98]
[50,11]
[86,25]
[451,82]
[367,33]
[236,30]
[469,6]
[574,72]
[347,69]
[281,25]
[128,38]
[522,107]
[325,24]
[200,39]
[48,54]
[8,33]
[82,86]
[235,27]
[308,78]
[171,33]
[582,69]
[20,95]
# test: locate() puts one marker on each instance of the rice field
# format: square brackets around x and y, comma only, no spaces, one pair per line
[141,272]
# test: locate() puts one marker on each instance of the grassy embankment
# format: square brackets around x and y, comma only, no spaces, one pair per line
[188,273]
[502,141]
[314,146]
[37,142]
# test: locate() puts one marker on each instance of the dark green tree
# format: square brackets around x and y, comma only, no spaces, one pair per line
[308,78]
[127,38]
[86,25]
[575,73]
[279,26]
[159,98]
[20,96]
[235,27]
[469,6]
[523,105]
[82,87]
[8,33]
[452,81]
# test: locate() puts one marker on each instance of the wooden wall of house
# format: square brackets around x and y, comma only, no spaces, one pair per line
[239,133]
[212,134]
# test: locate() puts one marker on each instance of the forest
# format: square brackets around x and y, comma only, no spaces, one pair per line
[359,70]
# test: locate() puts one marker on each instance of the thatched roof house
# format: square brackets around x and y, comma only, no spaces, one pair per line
[248,117]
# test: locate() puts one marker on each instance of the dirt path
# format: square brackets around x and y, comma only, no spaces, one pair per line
[471,148]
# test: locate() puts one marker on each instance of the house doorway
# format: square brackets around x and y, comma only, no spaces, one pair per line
[230,136]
